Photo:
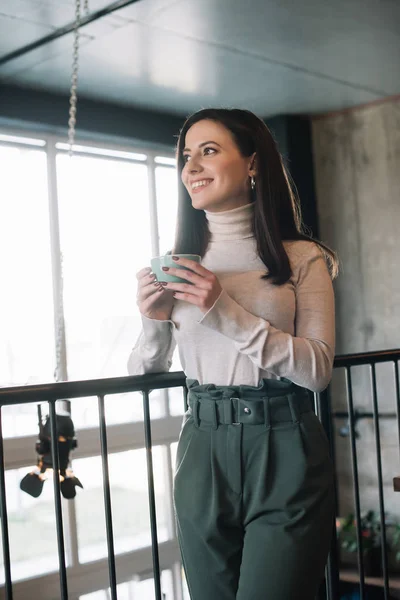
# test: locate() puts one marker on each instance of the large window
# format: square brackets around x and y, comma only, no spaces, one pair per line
[26,301]
[74,232]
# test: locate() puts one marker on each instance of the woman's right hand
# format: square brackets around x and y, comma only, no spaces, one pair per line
[153,300]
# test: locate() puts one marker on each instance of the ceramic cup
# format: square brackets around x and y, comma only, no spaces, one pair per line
[166,261]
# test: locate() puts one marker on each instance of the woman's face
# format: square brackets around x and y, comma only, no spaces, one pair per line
[215,174]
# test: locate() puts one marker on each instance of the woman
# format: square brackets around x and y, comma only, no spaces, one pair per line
[253,487]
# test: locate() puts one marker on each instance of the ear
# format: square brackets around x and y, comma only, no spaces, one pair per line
[252,169]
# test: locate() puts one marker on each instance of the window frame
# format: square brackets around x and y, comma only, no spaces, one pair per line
[19,451]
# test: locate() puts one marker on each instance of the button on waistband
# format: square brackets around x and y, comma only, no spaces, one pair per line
[247,410]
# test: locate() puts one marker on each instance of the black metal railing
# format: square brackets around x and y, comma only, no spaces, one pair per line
[328,415]
[79,389]
[145,384]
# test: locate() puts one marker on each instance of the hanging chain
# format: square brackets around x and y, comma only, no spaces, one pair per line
[60,333]
[75,69]
[74,77]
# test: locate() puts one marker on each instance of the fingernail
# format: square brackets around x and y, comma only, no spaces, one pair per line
[163,283]
[175,258]
[165,268]
[156,283]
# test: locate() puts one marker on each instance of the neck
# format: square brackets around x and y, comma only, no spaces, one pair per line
[234,224]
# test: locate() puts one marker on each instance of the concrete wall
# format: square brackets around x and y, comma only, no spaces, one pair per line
[357,176]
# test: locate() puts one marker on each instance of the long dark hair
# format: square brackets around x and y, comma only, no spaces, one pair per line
[277,214]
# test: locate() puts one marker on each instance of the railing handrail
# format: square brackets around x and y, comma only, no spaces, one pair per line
[365,358]
[65,390]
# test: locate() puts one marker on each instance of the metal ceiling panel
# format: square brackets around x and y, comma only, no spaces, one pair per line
[16,33]
[272,56]
[41,10]
[353,41]
[144,66]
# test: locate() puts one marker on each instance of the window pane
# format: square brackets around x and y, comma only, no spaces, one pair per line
[137,590]
[26,310]
[129,499]
[32,529]
[119,408]
[105,238]
[164,160]
[167,206]
[100,595]
[175,395]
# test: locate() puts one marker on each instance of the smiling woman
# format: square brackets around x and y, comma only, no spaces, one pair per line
[215,173]
[254,325]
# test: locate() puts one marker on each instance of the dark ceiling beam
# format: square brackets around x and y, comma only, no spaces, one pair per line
[39,109]
[69,28]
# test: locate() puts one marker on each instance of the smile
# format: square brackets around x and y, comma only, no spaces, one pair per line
[198,185]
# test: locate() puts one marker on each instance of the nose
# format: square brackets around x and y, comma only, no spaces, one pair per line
[194,166]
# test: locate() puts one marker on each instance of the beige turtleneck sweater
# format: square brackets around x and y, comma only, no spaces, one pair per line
[255,329]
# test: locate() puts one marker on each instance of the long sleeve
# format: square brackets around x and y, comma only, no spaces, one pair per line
[305,358]
[154,348]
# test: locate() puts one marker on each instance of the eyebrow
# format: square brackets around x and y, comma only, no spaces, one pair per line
[202,145]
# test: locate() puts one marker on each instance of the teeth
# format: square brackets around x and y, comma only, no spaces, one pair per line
[197,184]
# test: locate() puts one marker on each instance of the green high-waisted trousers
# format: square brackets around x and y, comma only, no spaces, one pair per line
[253,493]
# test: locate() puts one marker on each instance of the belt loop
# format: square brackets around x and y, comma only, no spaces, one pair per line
[214,415]
[267,415]
[196,412]
[294,407]
[228,411]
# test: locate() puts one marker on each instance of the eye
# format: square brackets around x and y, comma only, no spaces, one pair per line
[207,151]
[207,148]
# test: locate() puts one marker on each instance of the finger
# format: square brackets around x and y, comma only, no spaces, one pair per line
[143,272]
[197,300]
[193,266]
[146,280]
[194,278]
[147,291]
[148,303]
[185,288]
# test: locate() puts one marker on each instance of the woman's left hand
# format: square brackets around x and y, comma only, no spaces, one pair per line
[203,289]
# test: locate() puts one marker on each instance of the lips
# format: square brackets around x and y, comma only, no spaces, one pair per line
[200,184]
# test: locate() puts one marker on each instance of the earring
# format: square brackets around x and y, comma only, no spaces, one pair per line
[253,183]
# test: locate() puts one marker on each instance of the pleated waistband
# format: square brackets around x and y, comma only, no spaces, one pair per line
[274,401]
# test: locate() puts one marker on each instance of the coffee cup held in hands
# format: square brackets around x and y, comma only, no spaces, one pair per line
[166,261]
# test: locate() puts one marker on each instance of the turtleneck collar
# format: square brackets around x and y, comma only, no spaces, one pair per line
[234,224]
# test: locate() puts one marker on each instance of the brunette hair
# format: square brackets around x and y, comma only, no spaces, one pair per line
[277,214]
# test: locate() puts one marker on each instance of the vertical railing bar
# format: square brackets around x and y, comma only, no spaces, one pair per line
[355,482]
[322,402]
[107,498]
[380,481]
[152,500]
[397,391]
[328,579]
[4,518]
[57,499]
